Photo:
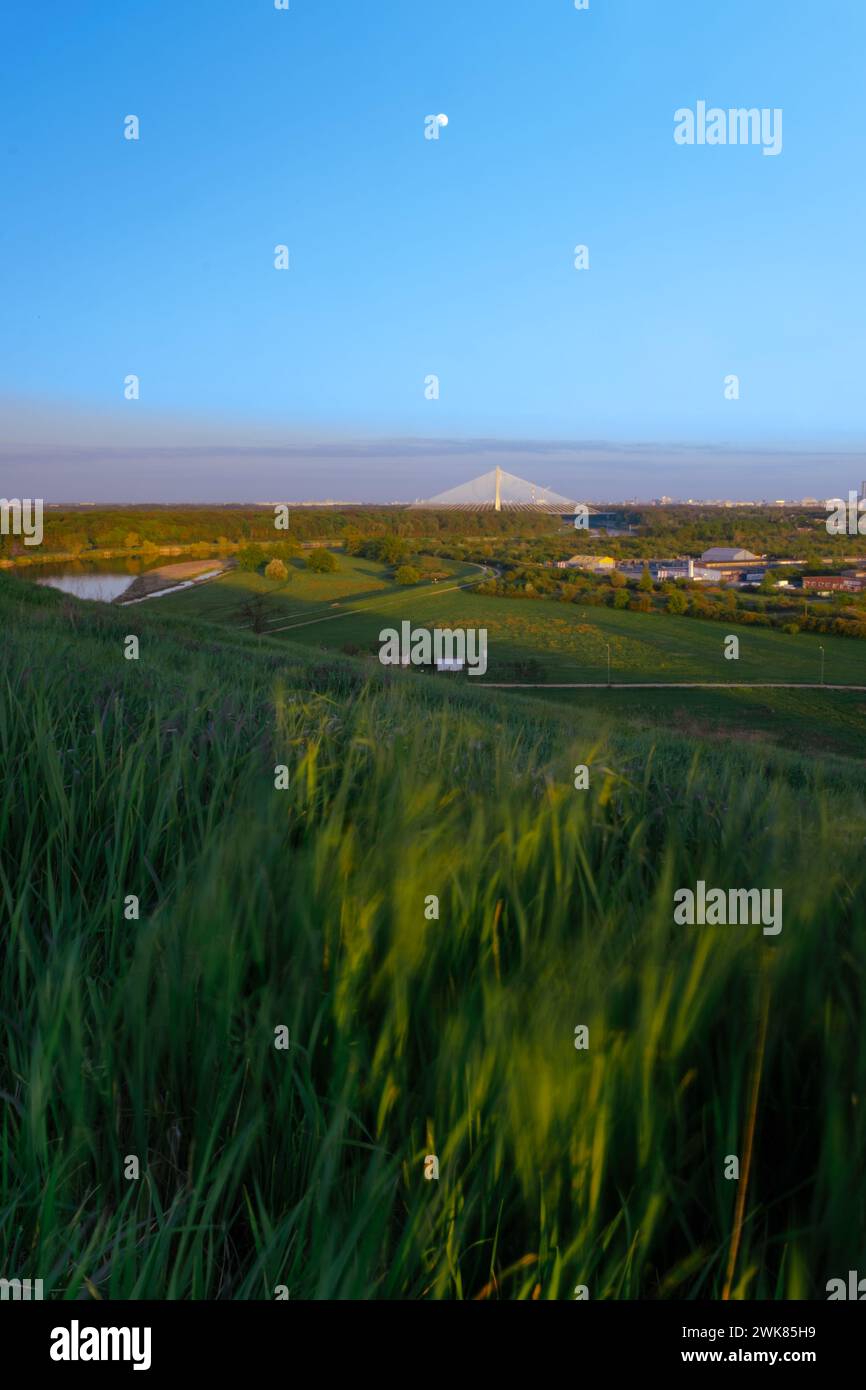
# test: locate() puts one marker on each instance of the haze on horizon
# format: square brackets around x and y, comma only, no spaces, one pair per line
[404,470]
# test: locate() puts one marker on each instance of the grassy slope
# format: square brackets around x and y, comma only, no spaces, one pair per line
[569,641]
[408,1036]
[358,583]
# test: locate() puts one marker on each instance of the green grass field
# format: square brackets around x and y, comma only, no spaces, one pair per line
[410,1035]
[570,643]
[824,723]
[357,580]
[570,640]
[358,583]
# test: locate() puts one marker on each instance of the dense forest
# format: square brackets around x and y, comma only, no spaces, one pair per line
[791,533]
[77,531]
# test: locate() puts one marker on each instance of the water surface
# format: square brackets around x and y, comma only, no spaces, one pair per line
[102,580]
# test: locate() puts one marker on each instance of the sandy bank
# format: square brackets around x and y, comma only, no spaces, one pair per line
[168,577]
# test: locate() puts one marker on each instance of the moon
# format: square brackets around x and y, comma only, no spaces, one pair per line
[443,120]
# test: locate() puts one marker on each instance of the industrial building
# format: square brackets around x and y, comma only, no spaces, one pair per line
[662,571]
[833,584]
[732,565]
[597,563]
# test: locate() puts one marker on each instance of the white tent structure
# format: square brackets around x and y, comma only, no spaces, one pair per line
[499,491]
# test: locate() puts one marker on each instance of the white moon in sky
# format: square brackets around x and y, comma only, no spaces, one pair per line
[443,120]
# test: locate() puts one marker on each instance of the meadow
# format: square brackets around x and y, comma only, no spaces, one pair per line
[410,1035]
[570,640]
[570,643]
[365,585]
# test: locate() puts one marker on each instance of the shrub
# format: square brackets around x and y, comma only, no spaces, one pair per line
[276,569]
[322,562]
[407,574]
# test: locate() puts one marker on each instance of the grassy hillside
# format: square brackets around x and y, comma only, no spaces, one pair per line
[409,1036]
[358,584]
[570,644]
[569,639]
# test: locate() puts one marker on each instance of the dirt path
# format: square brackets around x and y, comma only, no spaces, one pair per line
[665,685]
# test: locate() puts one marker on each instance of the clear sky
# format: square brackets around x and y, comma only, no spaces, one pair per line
[411,257]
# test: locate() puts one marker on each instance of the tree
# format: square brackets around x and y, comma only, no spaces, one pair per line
[322,562]
[251,558]
[287,549]
[276,569]
[617,580]
[252,613]
[131,541]
[407,574]
[392,550]
[645,584]
[677,602]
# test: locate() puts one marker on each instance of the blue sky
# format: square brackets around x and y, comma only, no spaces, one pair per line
[412,257]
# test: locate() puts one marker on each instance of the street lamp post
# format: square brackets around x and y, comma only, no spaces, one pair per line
[821,650]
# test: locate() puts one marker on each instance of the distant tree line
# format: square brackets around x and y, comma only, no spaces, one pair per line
[144,530]
[660,532]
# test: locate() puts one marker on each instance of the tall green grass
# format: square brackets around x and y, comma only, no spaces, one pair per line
[409,1036]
